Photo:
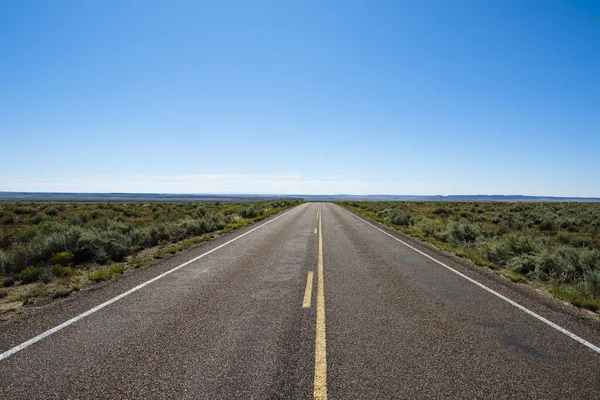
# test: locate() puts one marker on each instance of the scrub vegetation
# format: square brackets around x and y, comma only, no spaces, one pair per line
[49,250]
[553,245]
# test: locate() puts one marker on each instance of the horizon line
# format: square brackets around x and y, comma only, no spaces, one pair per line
[292,195]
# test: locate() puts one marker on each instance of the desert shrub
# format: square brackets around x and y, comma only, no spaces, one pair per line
[38,219]
[429,228]
[522,264]
[213,222]
[561,264]
[33,293]
[18,259]
[578,241]
[4,262]
[62,238]
[130,212]
[159,233]
[443,211]
[569,223]
[495,250]
[590,259]
[60,271]
[547,225]
[592,280]
[192,227]
[400,218]
[575,296]
[46,276]
[101,246]
[106,273]
[51,211]
[89,247]
[251,211]
[208,225]
[522,243]
[30,274]
[8,281]
[463,232]
[61,291]
[61,258]
[21,210]
[101,274]
[117,247]
[432,229]
[141,238]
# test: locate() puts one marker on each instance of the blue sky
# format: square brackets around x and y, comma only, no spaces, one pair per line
[398,97]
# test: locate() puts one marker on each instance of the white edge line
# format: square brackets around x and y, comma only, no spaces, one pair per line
[481,285]
[57,328]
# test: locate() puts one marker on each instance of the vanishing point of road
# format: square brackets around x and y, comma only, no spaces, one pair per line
[314,302]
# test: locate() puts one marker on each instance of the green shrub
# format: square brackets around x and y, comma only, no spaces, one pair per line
[252,211]
[575,297]
[102,246]
[60,271]
[522,243]
[106,273]
[547,225]
[561,264]
[578,241]
[443,211]
[4,262]
[52,211]
[62,258]
[18,258]
[101,274]
[33,293]
[590,259]
[523,264]
[30,274]
[495,250]
[38,219]
[570,224]
[61,291]
[141,238]
[592,279]
[400,218]
[24,210]
[430,228]
[463,232]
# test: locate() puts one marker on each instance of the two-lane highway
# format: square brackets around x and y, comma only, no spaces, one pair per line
[315,302]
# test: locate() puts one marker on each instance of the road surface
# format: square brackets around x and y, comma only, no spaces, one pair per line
[311,303]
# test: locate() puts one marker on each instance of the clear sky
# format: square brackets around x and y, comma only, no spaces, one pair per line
[322,97]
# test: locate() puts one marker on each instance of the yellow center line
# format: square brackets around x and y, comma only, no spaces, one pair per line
[315,230]
[320,382]
[308,291]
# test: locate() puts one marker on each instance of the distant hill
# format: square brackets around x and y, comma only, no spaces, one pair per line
[476,197]
[149,197]
[129,197]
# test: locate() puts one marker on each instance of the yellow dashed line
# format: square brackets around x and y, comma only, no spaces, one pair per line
[320,381]
[308,290]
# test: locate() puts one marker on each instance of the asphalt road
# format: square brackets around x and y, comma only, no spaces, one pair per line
[379,320]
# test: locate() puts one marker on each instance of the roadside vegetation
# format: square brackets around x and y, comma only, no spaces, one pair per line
[49,250]
[555,246]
